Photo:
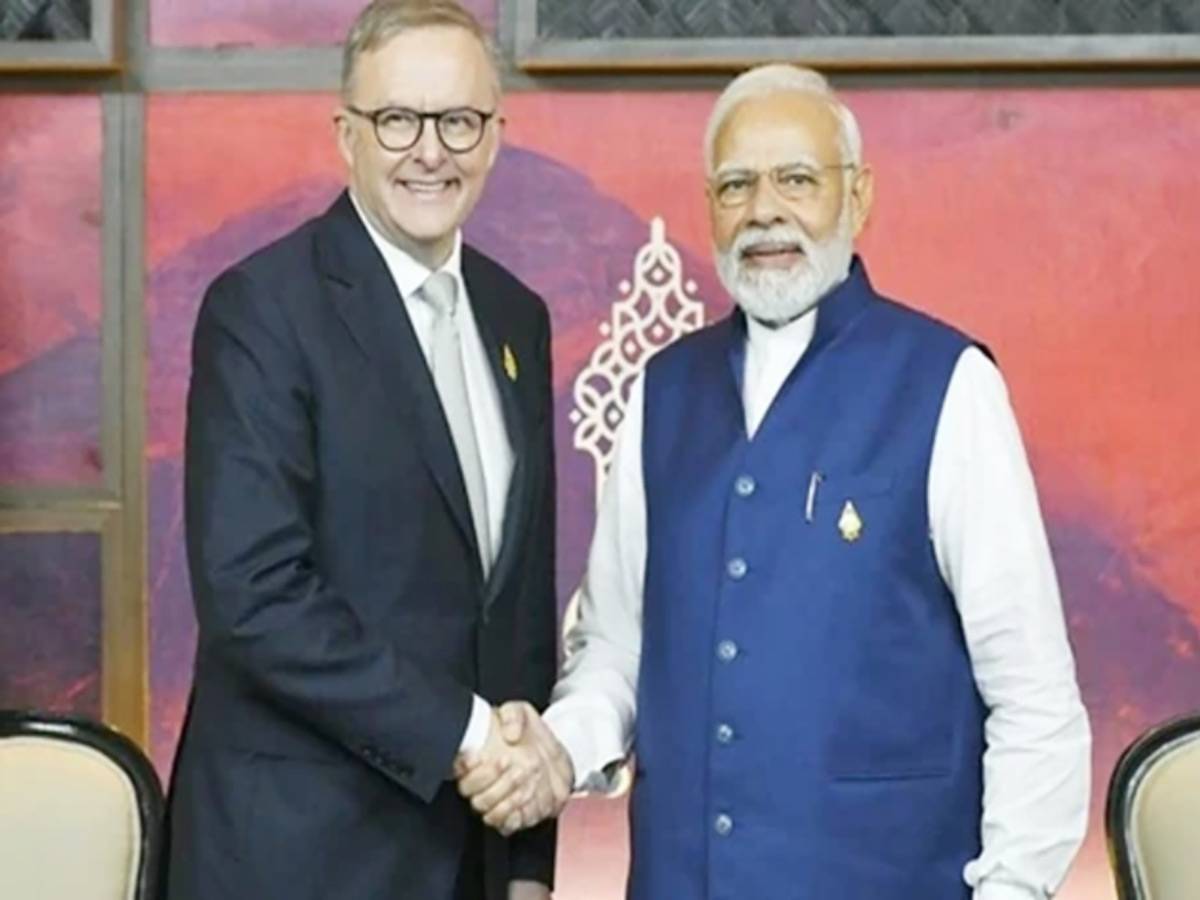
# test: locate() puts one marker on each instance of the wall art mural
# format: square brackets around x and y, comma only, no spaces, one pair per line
[1050,224]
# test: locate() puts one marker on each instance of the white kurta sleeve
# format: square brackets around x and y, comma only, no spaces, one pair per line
[991,547]
[595,701]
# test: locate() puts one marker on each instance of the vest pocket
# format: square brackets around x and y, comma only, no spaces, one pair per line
[892,716]
[889,642]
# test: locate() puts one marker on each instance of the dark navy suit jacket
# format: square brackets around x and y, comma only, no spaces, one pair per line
[344,620]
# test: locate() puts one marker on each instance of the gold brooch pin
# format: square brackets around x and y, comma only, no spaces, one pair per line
[510,363]
[849,523]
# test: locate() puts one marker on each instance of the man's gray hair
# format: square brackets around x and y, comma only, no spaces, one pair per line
[382,20]
[779,78]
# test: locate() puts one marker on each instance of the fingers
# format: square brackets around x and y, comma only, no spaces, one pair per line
[529,800]
[481,777]
[476,769]
[510,812]
[514,718]
[558,791]
[562,779]
[523,809]
[515,823]
[499,801]
[542,798]
[508,816]
[464,763]
[510,788]
[559,773]
[522,779]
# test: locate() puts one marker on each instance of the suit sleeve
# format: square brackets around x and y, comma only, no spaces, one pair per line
[532,851]
[264,607]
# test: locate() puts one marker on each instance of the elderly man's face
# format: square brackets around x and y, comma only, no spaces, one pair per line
[419,197]
[785,206]
[762,135]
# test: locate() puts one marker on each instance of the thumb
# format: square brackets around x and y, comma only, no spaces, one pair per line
[512,722]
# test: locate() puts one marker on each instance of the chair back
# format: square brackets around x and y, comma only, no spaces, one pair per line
[1153,814]
[80,811]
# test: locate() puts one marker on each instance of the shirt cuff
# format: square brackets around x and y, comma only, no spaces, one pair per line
[591,747]
[478,726]
[1006,890]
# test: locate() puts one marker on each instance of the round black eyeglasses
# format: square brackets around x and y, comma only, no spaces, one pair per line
[398,128]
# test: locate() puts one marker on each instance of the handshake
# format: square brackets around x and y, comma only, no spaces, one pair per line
[521,776]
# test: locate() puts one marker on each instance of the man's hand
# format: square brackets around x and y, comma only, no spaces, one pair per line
[528,890]
[522,776]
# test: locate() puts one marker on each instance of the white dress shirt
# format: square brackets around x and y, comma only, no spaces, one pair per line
[496,455]
[991,548]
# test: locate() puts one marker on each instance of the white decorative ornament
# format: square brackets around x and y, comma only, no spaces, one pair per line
[655,309]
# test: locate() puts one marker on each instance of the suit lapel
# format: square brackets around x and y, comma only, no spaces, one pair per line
[373,311]
[503,348]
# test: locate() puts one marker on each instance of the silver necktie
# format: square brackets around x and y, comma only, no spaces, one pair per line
[440,291]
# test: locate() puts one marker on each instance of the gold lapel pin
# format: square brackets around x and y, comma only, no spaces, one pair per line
[849,523]
[510,363]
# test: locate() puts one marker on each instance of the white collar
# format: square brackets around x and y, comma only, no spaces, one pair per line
[409,274]
[794,337]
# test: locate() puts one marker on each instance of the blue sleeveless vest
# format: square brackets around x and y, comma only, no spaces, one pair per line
[808,725]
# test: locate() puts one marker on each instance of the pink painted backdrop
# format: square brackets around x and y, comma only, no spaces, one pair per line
[1054,225]
[50,289]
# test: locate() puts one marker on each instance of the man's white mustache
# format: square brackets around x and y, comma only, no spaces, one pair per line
[766,240]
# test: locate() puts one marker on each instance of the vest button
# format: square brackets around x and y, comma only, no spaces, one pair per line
[723,825]
[727,651]
[737,568]
[745,485]
[724,733]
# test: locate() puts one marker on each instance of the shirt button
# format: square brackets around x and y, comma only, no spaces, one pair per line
[724,733]
[737,568]
[727,651]
[745,486]
[722,825]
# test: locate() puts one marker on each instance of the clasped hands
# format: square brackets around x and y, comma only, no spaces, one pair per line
[521,776]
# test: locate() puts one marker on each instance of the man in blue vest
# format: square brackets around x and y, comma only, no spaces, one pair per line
[820,607]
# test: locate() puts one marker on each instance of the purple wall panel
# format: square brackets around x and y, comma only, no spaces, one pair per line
[50,622]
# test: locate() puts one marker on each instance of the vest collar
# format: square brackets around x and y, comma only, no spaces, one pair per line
[835,312]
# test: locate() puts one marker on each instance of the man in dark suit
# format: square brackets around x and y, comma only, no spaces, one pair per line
[370,512]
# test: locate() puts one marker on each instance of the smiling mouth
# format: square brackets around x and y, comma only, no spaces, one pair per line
[428,188]
[773,253]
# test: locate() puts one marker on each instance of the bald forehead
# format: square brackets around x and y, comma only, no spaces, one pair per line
[782,127]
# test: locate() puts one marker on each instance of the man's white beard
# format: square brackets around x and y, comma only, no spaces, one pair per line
[781,295]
